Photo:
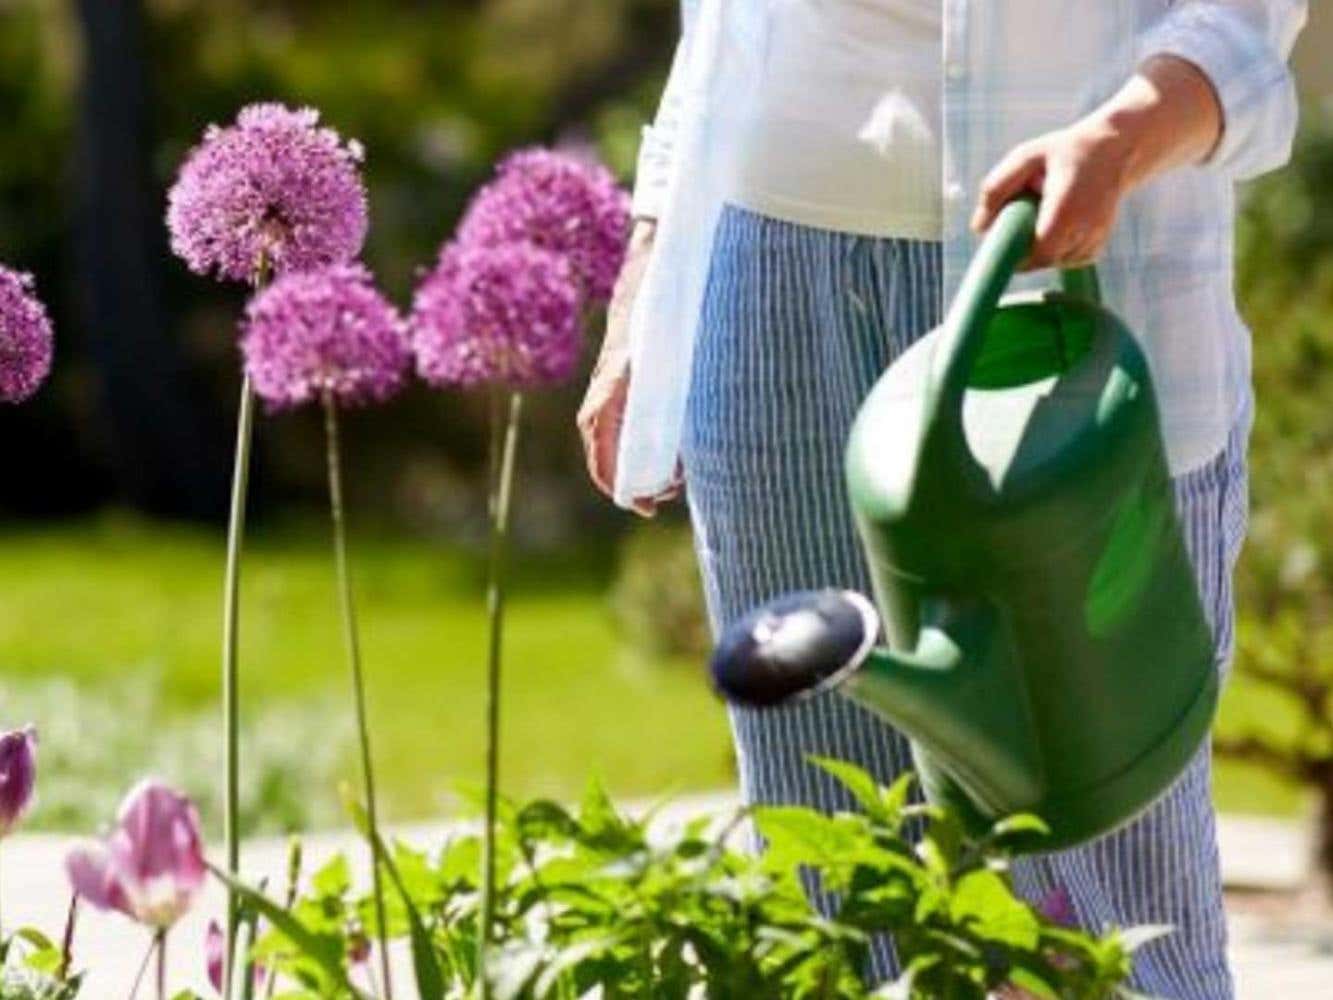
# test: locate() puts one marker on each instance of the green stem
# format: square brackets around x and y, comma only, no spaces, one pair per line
[231,601]
[231,819]
[143,967]
[161,965]
[358,681]
[67,941]
[501,490]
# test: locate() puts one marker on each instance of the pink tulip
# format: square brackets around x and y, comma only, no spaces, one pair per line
[215,946]
[151,867]
[18,776]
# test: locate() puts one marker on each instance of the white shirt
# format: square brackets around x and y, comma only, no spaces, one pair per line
[845,130]
[1012,69]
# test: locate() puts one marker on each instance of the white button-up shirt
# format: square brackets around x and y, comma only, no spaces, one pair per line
[1013,69]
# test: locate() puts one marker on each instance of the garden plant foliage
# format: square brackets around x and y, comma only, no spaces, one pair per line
[593,903]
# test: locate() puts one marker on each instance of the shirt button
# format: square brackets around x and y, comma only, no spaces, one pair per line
[954,191]
[955,70]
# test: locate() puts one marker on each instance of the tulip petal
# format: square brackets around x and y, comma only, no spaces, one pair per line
[214,946]
[93,878]
[18,776]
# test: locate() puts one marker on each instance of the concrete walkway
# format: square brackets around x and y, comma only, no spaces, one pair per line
[1272,960]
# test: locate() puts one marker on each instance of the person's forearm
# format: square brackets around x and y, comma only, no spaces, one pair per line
[1168,115]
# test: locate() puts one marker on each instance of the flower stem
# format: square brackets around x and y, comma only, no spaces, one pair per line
[358,681]
[161,965]
[143,967]
[67,942]
[230,672]
[501,490]
[231,597]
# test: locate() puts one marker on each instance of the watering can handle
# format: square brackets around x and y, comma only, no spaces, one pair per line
[1002,249]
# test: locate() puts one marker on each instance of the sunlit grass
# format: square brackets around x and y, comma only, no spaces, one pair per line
[96,601]
[100,600]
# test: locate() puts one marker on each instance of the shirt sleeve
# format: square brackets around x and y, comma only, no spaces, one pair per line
[658,143]
[1242,46]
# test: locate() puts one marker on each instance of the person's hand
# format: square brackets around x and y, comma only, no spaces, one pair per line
[1081,173]
[1167,115]
[603,410]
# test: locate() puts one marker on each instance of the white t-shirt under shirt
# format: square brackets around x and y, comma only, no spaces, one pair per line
[845,134]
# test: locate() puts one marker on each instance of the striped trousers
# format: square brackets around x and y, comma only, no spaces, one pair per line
[797,325]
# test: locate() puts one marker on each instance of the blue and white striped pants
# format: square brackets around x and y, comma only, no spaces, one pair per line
[798,323]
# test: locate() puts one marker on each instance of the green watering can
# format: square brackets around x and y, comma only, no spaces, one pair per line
[1047,651]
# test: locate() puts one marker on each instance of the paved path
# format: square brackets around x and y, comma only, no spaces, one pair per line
[1270,961]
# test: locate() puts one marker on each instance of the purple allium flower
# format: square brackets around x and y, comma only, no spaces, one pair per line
[327,331]
[152,867]
[18,776]
[561,201]
[507,314]
[274,186]
[26,341]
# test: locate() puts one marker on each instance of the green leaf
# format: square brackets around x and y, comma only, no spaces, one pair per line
[333,879]
[324,950]
[983,903]
[885,805]
[36,938]
[1020,825]
[864,788]
[1026,979]
[430,981]
[1136,937]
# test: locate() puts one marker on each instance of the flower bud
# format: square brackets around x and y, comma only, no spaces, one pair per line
[18,776]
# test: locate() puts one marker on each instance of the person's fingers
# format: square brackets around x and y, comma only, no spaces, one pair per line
[605,432]
[1019,170]
[1062,221]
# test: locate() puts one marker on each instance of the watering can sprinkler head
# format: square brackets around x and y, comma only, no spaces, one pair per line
[794,647]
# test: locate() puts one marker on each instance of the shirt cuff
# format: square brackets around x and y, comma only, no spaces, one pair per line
[1252,81]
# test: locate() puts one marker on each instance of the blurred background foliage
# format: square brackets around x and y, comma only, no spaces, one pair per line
[109,515]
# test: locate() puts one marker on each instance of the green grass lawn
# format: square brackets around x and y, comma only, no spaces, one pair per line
[96,600]
[99,601]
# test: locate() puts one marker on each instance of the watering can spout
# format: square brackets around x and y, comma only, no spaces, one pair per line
[957,693]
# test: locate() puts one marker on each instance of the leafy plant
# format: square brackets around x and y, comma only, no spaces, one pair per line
[590,902]
[1285,634]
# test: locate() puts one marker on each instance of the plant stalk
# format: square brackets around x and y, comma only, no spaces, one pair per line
[353,644]
[67,941]
[143,967]
[231,607]
[162,965]
[501,491]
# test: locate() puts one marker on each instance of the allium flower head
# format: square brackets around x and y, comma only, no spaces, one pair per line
[151,867]
[506,314]
[273,186]
[18,776]
[561,201]
[26,341]
[325,332]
